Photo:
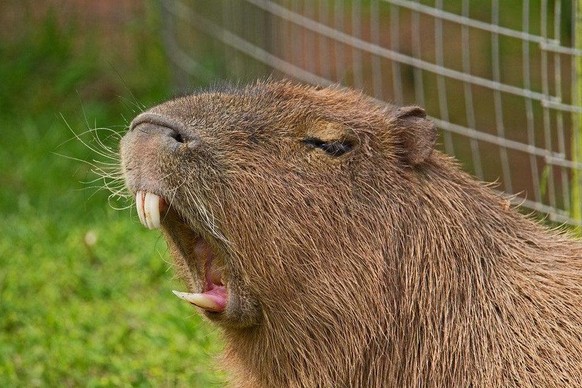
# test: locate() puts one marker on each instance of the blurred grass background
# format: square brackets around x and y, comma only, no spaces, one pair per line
[73,313]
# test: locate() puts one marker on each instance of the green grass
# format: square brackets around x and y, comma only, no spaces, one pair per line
[73,314]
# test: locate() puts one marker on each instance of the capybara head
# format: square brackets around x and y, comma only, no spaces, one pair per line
[334,247]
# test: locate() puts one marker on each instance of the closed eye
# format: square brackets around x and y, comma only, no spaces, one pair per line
[332,148]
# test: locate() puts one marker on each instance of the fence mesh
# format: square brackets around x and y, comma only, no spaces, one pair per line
[498,77]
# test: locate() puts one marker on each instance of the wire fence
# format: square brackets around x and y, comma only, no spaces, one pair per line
[501,79]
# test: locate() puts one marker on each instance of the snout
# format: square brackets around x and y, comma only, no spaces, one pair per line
[152,140]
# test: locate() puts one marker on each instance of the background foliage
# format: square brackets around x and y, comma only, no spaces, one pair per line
[76,312]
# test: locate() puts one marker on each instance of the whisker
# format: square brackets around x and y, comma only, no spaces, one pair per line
[134,100]
[106,167]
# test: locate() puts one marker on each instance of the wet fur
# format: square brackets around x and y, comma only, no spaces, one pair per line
[387,266]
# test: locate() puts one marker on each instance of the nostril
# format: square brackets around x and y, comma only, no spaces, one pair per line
[152,125]
[178,137]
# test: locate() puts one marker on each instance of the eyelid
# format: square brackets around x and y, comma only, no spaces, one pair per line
[332,148]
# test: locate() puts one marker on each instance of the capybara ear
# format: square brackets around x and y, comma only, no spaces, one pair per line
[417,134]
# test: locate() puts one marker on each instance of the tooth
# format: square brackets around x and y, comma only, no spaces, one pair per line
[139,206]
[152,210]
[203,301]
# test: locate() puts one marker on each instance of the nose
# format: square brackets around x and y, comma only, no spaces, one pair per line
[165,129]
[152,141]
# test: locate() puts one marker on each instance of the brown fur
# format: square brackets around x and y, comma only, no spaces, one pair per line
[385,266]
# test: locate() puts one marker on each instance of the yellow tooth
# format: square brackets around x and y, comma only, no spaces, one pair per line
[200,300]
[152,210]
[139,197]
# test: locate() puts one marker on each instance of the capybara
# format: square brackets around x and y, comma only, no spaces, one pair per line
[334,247]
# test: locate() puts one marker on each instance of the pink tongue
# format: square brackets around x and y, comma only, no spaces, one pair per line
[218,295]
[214,296]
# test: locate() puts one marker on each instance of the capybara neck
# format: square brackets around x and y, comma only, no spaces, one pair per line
[458,289]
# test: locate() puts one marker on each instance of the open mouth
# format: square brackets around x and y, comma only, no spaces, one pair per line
[209,266]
